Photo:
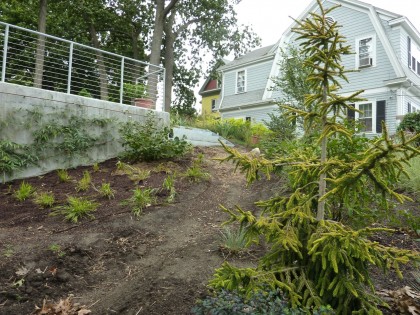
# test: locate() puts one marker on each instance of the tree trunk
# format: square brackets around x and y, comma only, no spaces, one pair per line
[155,50]
[134,43]
[320,215]
[156,46]
[103,77]
[169,61]
[40,47]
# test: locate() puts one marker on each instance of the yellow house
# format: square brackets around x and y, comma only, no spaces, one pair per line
[210,91]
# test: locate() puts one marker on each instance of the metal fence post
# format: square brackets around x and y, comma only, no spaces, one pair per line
[122,80]
[5,46]
[70,68]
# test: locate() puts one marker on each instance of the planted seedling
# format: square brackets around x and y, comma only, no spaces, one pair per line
[141,199]
[84,183]
[24,192]
[56,249]
[45,199]
[76,208]
[106,191]
[63,176]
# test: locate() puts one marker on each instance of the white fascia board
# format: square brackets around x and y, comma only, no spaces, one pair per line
[396,65]
[407,25]
[275,68]
[222,93]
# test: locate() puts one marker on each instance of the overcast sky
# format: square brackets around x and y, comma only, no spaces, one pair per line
[270,18]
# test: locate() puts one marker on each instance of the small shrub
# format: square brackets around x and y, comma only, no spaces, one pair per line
[259,303]
[45,199]
[63,176]
[76,209]
[140,199]
[233,241]
[147,142]
[24,192]
[106,191]
[84,183]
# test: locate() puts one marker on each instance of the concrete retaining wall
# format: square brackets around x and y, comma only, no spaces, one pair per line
[23,110]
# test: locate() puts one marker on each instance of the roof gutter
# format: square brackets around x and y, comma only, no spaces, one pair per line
[246,64]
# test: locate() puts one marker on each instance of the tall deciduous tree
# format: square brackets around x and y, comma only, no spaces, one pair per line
[40,48]
[189,27]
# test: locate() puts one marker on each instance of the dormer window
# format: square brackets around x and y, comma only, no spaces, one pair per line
[413,56]
[366,52]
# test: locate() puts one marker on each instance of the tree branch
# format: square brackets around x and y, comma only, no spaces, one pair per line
[169,7]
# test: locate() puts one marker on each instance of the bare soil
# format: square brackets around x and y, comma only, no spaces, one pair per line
[115,263]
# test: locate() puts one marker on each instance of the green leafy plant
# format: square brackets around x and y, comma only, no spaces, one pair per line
[106,191]
[45,199]
[84,183]
[312,256]
[63,176]
[169,186]
[24,192]
[76,208]
[141,199]
[149,143]
[411,183]
[56,249]
[14,157]
[95,167]
[195,173]
[134,173]
[8,251]
[132,91]
[233,241]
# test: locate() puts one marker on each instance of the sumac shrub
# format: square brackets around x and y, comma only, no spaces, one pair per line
[148,142]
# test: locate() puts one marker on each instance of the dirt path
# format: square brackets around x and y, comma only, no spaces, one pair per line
[117,264]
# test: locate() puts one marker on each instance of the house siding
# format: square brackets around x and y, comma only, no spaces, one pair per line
[390,108]
[256,79]
[258,115]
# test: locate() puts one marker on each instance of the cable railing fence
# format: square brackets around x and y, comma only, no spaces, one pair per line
[43,61]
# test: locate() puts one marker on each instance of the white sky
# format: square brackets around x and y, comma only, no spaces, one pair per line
[270,18]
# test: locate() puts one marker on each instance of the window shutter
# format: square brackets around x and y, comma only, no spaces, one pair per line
[380,115]
[351,113]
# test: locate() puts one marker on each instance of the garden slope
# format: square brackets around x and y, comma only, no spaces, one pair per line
[115,263]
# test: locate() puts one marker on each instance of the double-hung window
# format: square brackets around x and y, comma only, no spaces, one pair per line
[241,81]
[371,115]
[366,51]
[366,116]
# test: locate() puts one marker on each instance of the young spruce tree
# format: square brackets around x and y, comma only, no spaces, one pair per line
[313,257]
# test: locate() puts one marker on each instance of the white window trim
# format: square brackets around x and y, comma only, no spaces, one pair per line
[414,107]
[358,39]
[245,81]
[415,52]
[356,114]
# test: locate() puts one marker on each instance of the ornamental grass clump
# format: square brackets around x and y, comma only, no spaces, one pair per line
[315,255]
[25,191]
[76,209]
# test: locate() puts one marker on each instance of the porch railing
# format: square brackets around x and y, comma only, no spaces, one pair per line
[43,61]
